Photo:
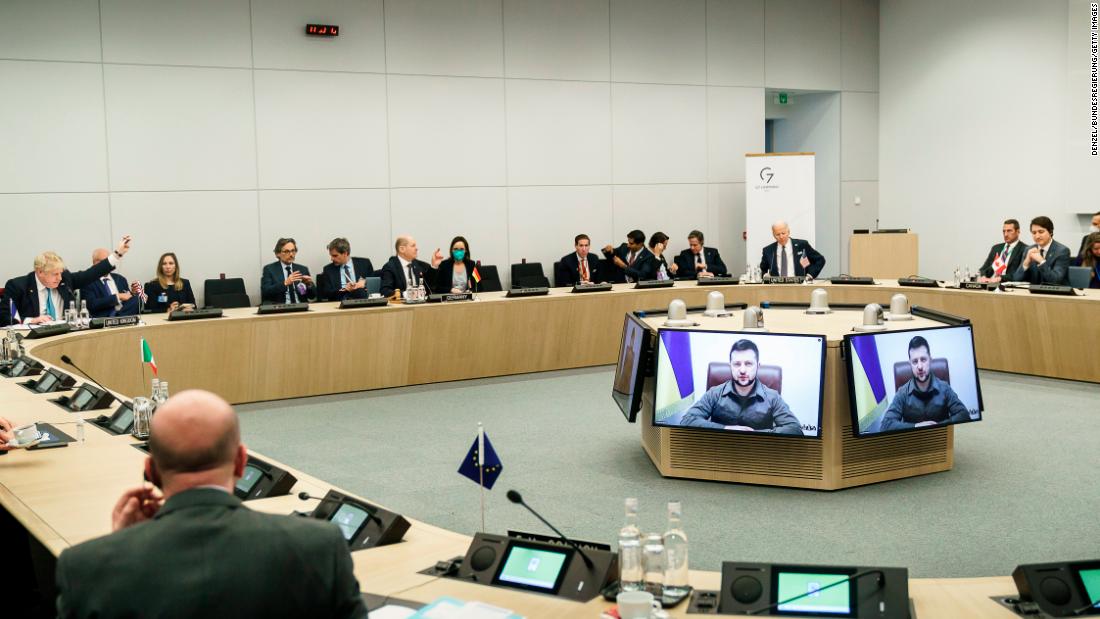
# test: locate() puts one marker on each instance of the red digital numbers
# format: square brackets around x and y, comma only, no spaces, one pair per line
[320,30]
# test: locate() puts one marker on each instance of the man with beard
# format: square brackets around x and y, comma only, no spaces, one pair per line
[743,403]
[925,400]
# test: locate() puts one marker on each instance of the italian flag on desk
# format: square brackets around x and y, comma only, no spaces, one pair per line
[147,356]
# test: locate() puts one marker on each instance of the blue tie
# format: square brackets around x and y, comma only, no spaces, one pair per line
[50,309]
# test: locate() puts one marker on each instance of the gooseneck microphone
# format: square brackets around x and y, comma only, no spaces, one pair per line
[372,512]
[515,497]
[68,360]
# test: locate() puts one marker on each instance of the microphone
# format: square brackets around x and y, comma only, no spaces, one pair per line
[372,512]
[68,360]
[420,276]
[515,497]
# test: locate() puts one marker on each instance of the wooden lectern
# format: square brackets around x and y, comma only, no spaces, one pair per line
[885,255]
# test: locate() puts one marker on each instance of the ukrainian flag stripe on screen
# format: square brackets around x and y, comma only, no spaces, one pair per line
[869,392]
[675,389]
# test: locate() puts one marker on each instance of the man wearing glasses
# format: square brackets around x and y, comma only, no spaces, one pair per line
[284,281]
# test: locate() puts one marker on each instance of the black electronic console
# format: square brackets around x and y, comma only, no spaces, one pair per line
[48,331]
[357,303]
[196,314]
[990,286]
[23,366]
[108,322]
[537,291]
[851,280]
[601,287]
[718,281]
[450,297]
[282,308]
[539,564]
[780,279]
[88,397]
[51,381]
[119,422]
[364,525]
[261,480]
[1048,289]
[1064,589]
[646,284]
[918,281]
[807,590]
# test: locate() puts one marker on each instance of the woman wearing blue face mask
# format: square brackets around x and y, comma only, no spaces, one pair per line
[454,272]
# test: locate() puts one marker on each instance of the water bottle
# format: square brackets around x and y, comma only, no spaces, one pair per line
[630,550]
[80,429]
[143,416]
[85,317]
[162,395]
[654,561]
[957,276]
[676,549]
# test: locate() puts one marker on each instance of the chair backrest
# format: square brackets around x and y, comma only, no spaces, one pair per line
[611,273]
[529,275]
[1079,277]
[225,293]
[719,372]
[903,371]
[374,285]
[560,277]
[490,279]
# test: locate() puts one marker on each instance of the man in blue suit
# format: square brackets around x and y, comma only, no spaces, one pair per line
[571,269]
[788,257]
[636,263]
[697,261]
[345,277]
[285,281]
[111,294]
[1046,262]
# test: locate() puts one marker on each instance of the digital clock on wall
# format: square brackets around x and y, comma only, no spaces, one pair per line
[321,30]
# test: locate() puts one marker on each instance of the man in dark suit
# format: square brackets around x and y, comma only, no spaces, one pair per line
[632,258]
[697,261]
[787,257]
[404,270]
[42,295]
[579,267]
[1046,262]
[345,277]
[197,551]
[111,295]
[285,281]
[1094,227]
[1004,258]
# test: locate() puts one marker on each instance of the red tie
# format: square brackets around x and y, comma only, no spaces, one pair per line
[584,270]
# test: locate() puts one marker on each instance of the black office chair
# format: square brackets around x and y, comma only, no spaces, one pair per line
[561,277]
[225,293]
[490,279]
[529,275]
[611,273]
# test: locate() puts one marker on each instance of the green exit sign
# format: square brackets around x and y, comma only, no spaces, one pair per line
[781,98]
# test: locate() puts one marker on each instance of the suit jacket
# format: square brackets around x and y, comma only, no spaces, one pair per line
[1054,271]
[442,283]
[272,289]
[685,263]
[569,270]
[328,282]
[153,291]
[393,275]
[205,554]
[1015,257]
[102,303]
[644,267]
[22,292]
[769,262]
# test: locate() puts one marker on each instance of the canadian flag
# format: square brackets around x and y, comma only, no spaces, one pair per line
[999,264]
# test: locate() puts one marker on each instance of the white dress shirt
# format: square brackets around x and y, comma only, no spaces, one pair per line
[56,294]
[790,258]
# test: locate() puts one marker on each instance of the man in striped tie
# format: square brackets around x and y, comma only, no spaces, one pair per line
[1004,258]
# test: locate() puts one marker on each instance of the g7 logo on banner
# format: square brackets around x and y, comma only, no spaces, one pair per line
[766,171]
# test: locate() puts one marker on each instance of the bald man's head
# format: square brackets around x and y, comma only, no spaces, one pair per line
[99,255]
[195,432]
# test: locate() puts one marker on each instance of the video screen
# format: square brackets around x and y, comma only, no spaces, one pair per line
[534,568]
[248,481]
[17,368]
[1089,577]
[629,373]
[123,418]
[835,601]
[350,519]
[767,383]
[46,382]
[81,399]
[912,379]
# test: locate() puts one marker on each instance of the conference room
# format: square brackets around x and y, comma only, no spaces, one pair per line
[849,163]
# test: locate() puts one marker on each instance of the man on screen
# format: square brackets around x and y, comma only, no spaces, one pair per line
[743,403]
[925,400]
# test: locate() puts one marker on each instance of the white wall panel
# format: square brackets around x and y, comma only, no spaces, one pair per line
[196,32]
[180,128]
[445,37]
[564,39]
[446,131]
[672,209]
[84,224]
[856,216]
[280,42]
[559,133]
[435,216]
[657,41]
[52,126]
[211,232]
[727,222]
[802,44]
[318,130]
[50,30]
[859,45]
[313,218]
[660,133]
[735,42]
[735,126]
[544,220]
[858,136]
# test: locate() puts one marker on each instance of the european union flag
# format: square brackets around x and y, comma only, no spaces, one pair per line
[491,468]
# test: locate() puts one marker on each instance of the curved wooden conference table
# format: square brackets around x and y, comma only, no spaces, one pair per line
[64,496]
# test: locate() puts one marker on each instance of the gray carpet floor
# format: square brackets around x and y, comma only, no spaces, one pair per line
[1024,487]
